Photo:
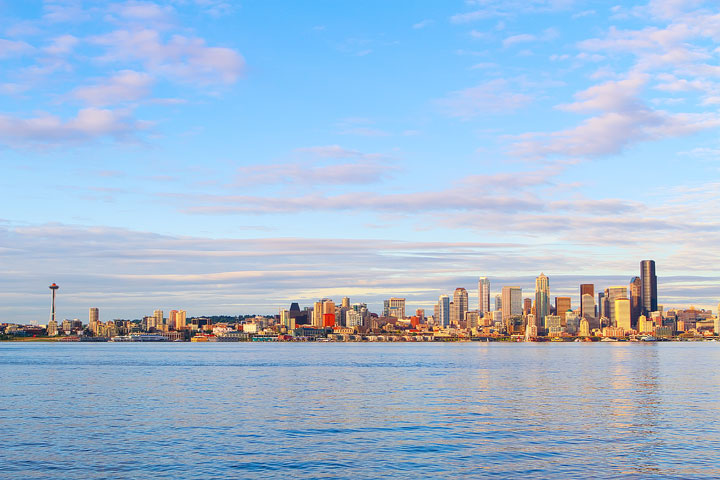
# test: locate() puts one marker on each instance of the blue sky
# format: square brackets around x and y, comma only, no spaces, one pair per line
[231,157]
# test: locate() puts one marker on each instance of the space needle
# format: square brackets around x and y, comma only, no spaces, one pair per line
[54,288]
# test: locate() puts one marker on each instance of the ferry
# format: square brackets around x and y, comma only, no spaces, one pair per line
[648,338]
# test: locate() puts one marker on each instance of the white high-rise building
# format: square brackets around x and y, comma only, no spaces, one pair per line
[443,311]
[483,296]
[622,314]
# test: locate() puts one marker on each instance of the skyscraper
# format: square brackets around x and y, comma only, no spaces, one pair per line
[635,300]
[317,318]
[345,302]
[649,287]
[483,295]
[562,305]
[511,302]
[612,294]
[588,307]
[587,289]
[460,306]
[542,298]
[498,302]
[443,311]
[180,319]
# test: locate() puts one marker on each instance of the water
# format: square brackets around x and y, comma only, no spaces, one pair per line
[469,410]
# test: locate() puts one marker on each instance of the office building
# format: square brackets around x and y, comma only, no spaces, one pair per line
[612,294]
[511,299]
[442,312]
[635,300]
[459,306]
[483,295]
[623,314]
[542,298]
[527,306]
[394,307]
[498,302]
[649,287]
[562,305]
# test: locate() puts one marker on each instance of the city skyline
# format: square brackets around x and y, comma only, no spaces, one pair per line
[225,158]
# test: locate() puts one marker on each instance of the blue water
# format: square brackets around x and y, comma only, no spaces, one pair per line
[469,410]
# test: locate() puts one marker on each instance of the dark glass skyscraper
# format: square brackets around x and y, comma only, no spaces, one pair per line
[649,286]
[635,300]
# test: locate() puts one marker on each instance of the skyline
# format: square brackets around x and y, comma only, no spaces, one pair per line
[228,159]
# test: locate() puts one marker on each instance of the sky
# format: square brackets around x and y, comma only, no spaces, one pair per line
[231,157]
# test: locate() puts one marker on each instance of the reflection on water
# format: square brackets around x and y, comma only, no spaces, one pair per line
[359,410]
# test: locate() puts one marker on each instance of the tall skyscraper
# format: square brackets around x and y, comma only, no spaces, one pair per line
[460,306]
[172,318]
[443,311]
[511,302]
[346,302]
[542,298]
[498,302]
[649,287]
[562,305]
[635,300]
[483,295]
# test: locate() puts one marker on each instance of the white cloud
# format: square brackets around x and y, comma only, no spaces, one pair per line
[125,86]
[88,124]
[494,96]
[183,58]
[14,48]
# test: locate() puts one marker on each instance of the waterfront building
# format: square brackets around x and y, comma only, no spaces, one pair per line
[562,305]
[459,306]
[420,313]
[511,302]
[716,324]
[52,328]
[584,328]
[645,325]
[553,324]
[635,300]
[483,295]
[623,314]
[172,319]
[649,286]
[542,297]
[532,322]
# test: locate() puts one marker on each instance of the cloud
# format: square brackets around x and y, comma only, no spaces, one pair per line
[327,176]
[516,39]
[490,97]
[423,24]
[14,48]
[143,11]
[125,86]
[62,45]
[89,124]
[187,59]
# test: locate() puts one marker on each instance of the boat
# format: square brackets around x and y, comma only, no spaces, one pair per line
[648,338]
